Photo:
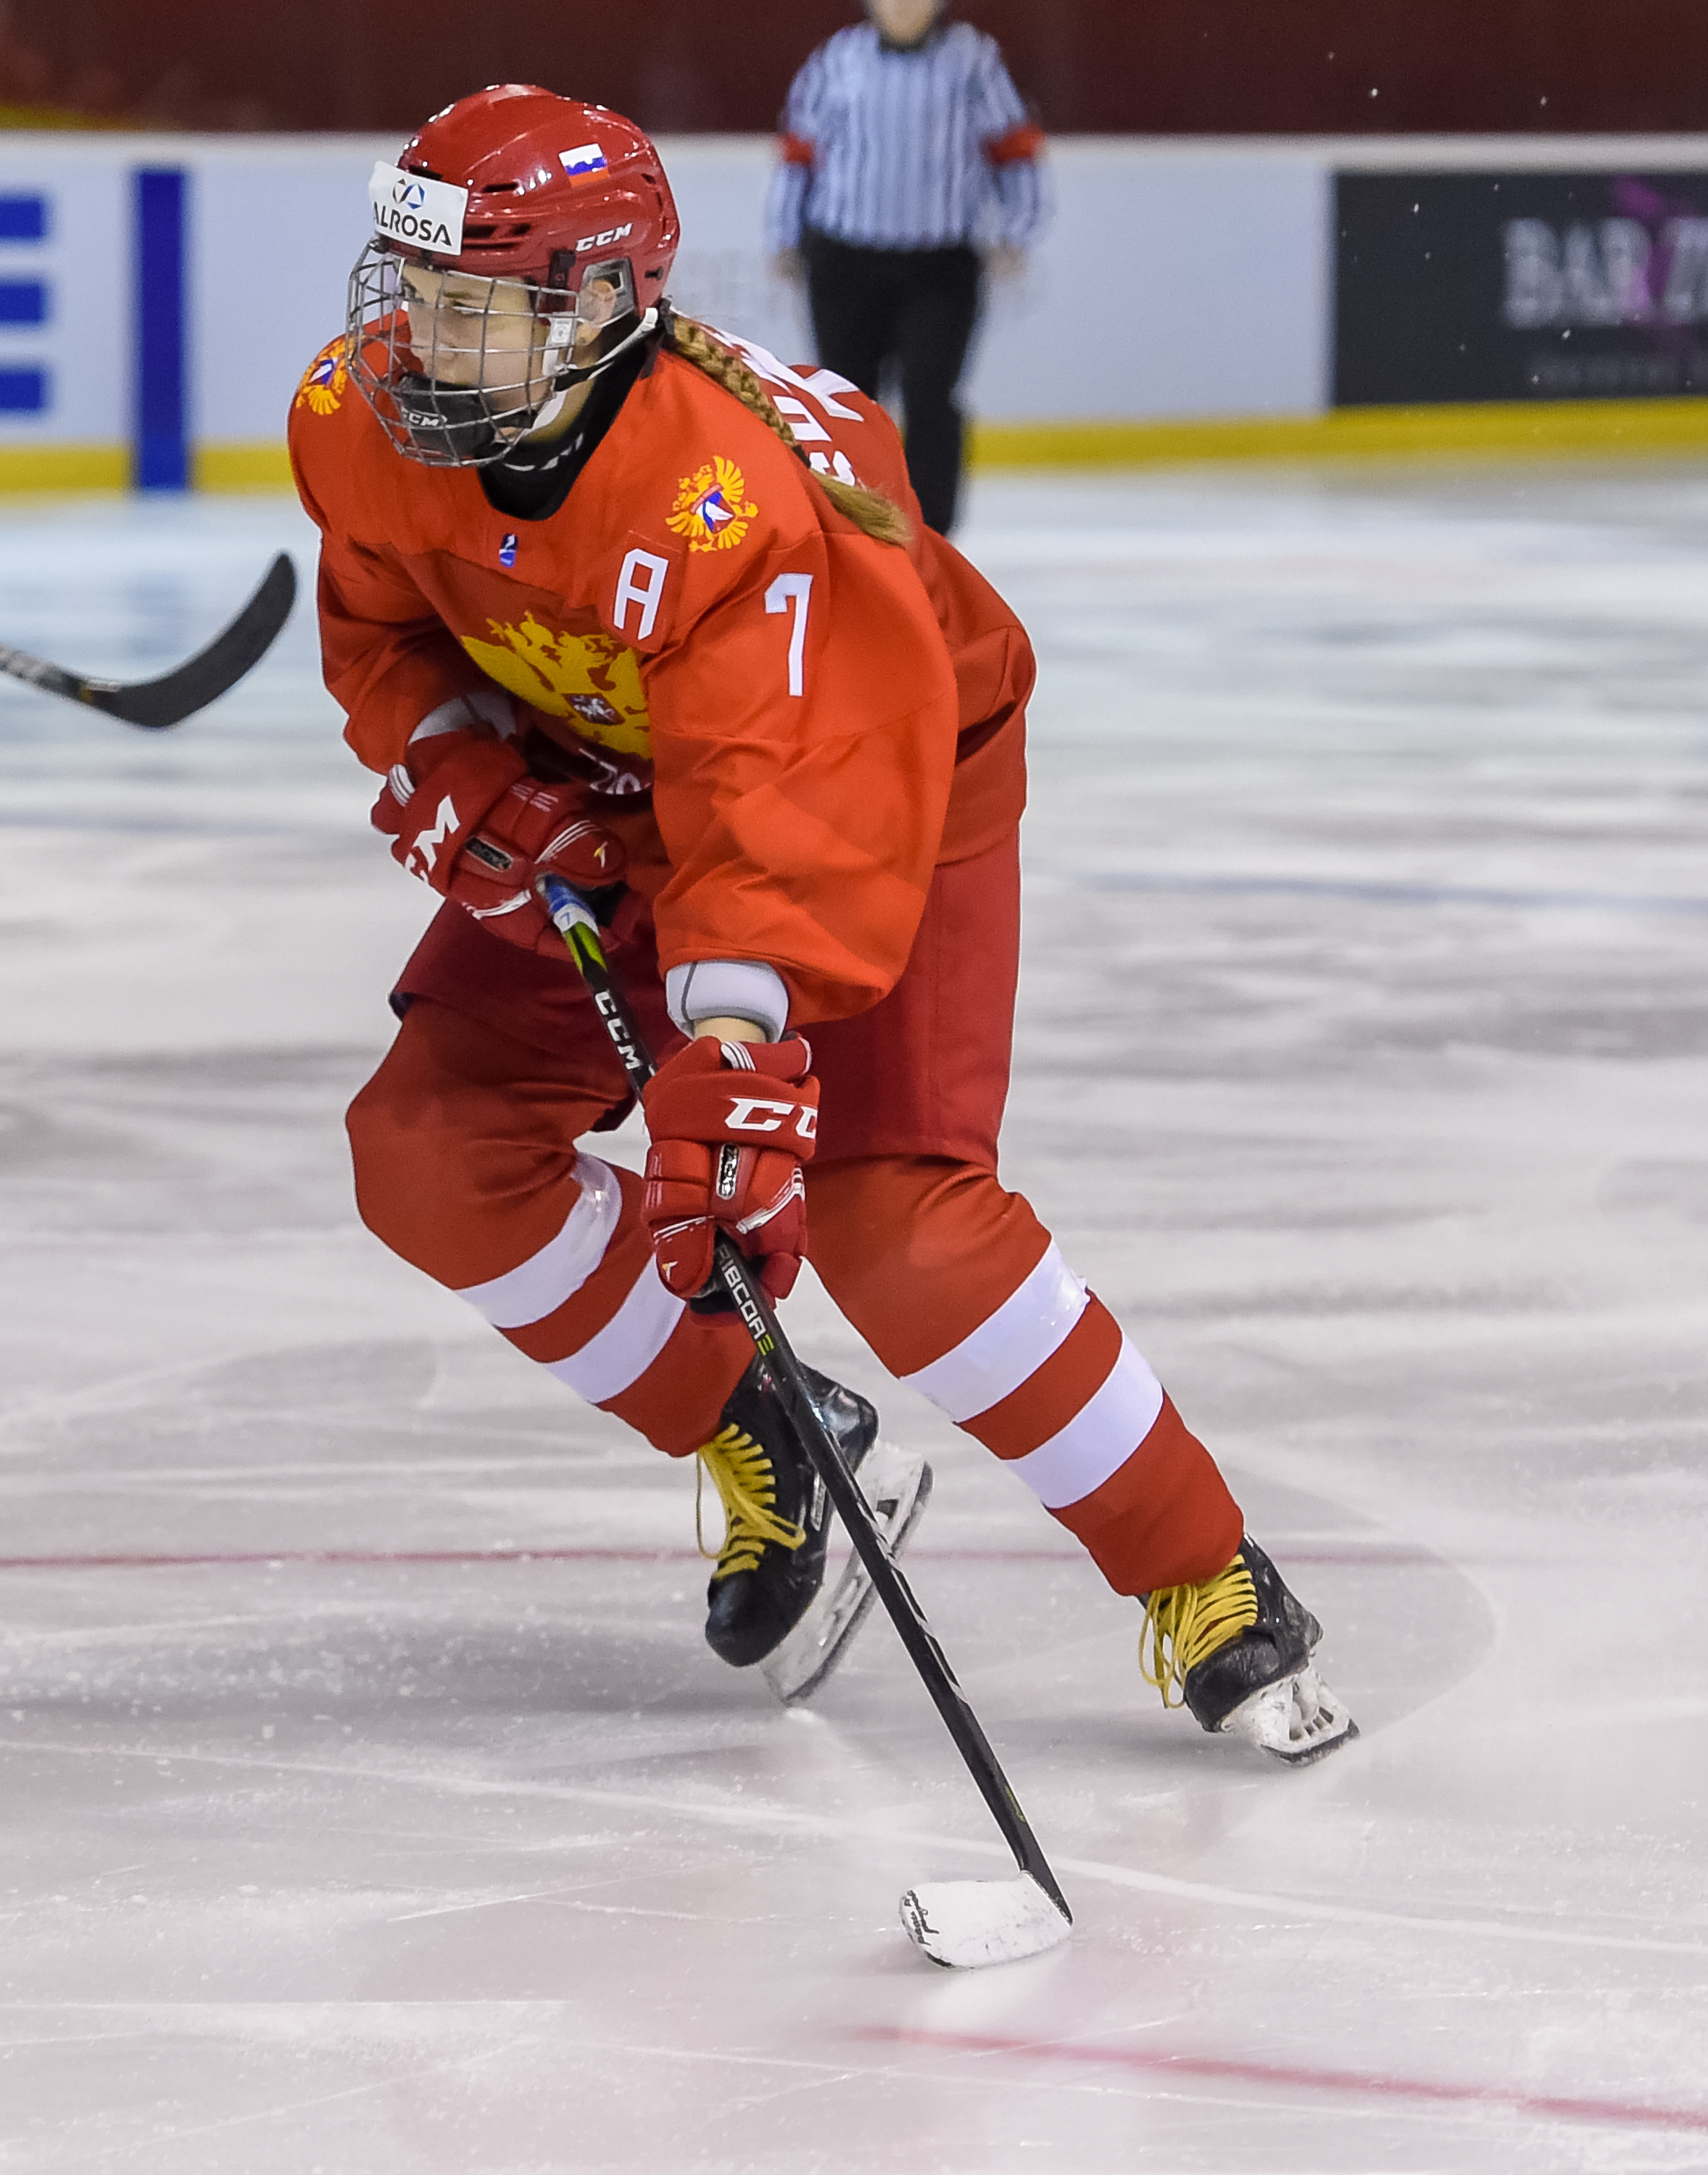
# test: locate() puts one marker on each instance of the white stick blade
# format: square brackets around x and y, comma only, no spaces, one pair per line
[970,1924]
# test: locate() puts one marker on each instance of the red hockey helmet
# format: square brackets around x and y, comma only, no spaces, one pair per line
[521,242]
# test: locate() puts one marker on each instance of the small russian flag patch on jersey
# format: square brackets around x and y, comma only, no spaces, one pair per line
[585,159]
[506,550]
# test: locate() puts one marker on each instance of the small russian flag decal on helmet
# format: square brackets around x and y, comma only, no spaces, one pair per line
[585,159]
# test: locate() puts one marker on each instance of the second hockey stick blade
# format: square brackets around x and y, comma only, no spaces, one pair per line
[209,673]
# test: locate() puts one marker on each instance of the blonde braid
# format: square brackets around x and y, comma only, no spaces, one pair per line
[869,510]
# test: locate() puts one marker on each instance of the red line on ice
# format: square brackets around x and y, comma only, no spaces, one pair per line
[1624,2112]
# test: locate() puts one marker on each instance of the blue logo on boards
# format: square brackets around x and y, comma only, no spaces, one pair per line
[24,389]
[23,218]
[506,550]
[23,302]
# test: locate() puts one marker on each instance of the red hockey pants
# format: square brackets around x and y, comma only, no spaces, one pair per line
[467,1165]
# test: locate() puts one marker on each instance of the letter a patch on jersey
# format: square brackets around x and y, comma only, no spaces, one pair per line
[712,510]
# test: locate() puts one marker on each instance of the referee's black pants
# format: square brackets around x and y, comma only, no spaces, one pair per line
[915,308]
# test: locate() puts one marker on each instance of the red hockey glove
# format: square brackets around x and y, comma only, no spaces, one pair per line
[431,807]
[731,1125]
[468,819]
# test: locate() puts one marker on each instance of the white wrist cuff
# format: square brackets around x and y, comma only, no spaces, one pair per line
[728,988]
[489,706]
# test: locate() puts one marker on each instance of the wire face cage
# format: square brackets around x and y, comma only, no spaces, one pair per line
[460,368]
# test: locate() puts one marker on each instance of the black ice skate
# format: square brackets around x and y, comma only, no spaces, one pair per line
[764,1602]
[1237,1650]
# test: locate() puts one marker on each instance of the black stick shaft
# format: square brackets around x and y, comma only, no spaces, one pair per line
[580,932]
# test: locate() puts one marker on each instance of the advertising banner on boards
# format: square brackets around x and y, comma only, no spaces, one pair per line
[1520,287]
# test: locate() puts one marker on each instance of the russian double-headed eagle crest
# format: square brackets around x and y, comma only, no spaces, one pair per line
[713,509]
[324,382]
[590,679]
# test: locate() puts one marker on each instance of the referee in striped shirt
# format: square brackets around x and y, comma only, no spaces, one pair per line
[905,147]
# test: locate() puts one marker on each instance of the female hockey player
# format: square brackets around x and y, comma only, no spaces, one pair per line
[605,594]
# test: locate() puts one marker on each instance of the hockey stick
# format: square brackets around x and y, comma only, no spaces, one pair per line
[207,675]
[967,1923]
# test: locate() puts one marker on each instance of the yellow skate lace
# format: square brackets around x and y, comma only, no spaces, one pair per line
[741,1473]
[1186,1625]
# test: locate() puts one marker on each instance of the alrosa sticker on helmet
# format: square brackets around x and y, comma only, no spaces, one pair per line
[408,208]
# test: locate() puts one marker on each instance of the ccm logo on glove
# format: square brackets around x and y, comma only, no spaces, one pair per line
[469,820]
[747,1114]
[705,1173]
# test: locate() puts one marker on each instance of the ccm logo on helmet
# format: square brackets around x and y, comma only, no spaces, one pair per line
[602,240]
[749,1114]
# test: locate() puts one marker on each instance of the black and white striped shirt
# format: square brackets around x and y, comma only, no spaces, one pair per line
[914,148]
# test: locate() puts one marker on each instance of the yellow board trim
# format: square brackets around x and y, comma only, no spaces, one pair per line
[1498,429]
[55,116]
[229,466]
[65,467]
[1501,429]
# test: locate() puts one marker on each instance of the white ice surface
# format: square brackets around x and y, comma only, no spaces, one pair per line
[1362,1068]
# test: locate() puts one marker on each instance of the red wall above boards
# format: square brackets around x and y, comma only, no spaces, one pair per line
[1164,66]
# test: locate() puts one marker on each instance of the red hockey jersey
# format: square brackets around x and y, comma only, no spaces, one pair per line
[798,723]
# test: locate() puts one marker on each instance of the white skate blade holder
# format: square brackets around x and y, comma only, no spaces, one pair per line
[968,1924]
[1298,1720]
[897,1484]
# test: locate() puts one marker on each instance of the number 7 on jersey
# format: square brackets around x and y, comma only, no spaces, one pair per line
[795,590]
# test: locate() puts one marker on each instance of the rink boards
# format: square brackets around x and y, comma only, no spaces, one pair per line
[160,297]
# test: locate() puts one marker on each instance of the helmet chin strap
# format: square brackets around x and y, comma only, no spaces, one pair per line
[567,376]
